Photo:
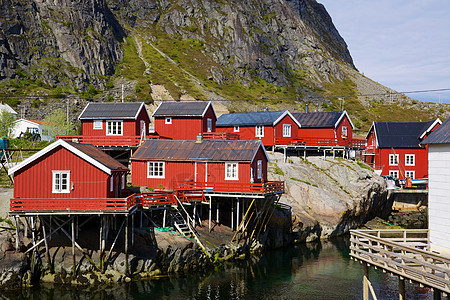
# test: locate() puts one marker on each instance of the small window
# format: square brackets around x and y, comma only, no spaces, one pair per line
[168,120]
[394,174]
[98,124]
[111,183]
[286,130]
[231,171]
[259,131]
[113,127]
[155,169]
[236,128]
[410,174]
[410,160]
[259,168]
[61,182]
[393,159]
[209,125]
[344,131]
[124,180]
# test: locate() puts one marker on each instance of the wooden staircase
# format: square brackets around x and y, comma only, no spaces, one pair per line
[180,223]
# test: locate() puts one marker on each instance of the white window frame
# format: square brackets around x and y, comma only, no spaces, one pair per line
[160,172]
[393,159]
[98,124]
[394,174]
[410,174]
[344,131]
[209,125]
[124,179]
[259,131]
[232,171]
[57,187]
[410,159]
[114,127]
[259,168]
[236,129]
[287,130]
[168,120]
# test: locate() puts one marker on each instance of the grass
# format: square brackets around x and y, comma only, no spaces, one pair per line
[305,182]
[277,169]
[363,165]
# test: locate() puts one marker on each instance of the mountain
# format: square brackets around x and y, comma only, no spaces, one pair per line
[245,55]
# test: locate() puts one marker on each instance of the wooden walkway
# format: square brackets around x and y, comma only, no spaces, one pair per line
[405,253]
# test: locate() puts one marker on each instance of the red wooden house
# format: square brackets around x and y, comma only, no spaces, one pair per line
[393,148]
[184,120]
[113,124]
[266,126]
[325,128]
[68,176]
[225,165]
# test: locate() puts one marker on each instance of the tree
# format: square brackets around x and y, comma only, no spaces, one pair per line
[57,124]
[6,123]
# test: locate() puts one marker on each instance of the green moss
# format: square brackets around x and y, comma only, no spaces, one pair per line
[277,169]
[305,182]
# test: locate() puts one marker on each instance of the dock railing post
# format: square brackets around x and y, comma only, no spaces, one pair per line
[401,288]
[366,282]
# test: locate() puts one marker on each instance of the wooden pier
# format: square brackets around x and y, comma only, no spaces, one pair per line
[404,253]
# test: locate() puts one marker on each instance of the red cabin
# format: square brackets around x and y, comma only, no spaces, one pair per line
[393,148]
[67,176]
[237,166]
[266,126]
[332,128]
[184,120]
[113,124]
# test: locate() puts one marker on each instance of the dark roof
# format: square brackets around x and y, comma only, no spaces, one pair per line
[440,135]
[249,118]
[120,110]
[400,134]
[173,150]
[181,109]
[318,119]
[99,156]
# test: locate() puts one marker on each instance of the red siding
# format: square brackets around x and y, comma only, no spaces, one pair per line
[35,179]
[286,120]
[420,166]
[327,132]
[248,133]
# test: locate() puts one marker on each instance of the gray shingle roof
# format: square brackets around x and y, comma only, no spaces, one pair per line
[440,135]
[173,150]
[400,134]
[120,110]
[181,109]
[99,156]
[249,118]
[320,119]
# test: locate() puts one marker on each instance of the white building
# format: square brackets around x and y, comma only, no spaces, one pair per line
[22,125]
[439,187]
[6,107]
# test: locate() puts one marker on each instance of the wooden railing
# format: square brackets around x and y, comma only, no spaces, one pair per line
[235,187]
[104,140]
[319,142]
[220,136]
[191,195]
[73,204]
[404,253]
[156,199]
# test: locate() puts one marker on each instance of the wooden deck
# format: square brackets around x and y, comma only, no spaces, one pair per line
[105,140]
[220,136]
[348,143]
[405,253]
[259,190]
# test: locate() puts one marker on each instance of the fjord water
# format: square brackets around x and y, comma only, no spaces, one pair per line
[314,271]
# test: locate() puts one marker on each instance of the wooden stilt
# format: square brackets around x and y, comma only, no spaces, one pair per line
[366,282]
[232,214]
[285,156]
[243,220]
[114,243]
[74,265]
[401,288]
[304,154]
[436,294]
[210,208]
[217,213]
[101,244]
[140,220]
[26,226]
[50,228]
[76,227]
[194,213]
[164,218]
[132,229]
[47,252]
[126,245]
[17,233]
[237,213]
[33,259]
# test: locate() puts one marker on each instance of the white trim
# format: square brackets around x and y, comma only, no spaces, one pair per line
[156,109]
[396,172]
[167,120]
[413,160]
[61,191]
[290,115]
[238,128]
[96,121]
[83,110]
[139,111]
[344,113]
[256,131]
[256,152]
[163,169]
[115,121]
[288,132]
[206,109]
[396,158]
[237,171]
[208,123]
[430,128]
[413,174]
[65,145]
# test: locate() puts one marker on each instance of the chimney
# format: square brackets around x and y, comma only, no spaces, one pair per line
[199,139]
[306,108]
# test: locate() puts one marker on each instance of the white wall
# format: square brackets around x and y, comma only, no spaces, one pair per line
[439,197]
[22,125]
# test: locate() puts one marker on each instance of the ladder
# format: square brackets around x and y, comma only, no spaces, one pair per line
[180,223]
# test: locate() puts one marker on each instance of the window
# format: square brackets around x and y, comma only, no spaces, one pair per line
[113,127]
[98,124]
[111,183]
[410,174]
[259,131]
[394,174]
[156,169]
[209,125]
[231,171]
[287,130]
[168,120]
[409,159]
[124,180]
[344,131]
[61,180]
[236,128]
[393,159]
[142,126]
[259,169]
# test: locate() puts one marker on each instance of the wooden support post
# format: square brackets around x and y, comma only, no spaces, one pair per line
[217,213]
[140,220]
[366,282]
[17,232]
[126,246]
[50,228]
[285,154]
[324,154]
[164,217]
[304,154]
[132,229]
[334,154]
[401,288]
[33,259]
[194,213]
[76,227]
[436,294]
[210,208]
[49,260]
[237,213]
[26,227]
[232,214]
[101,242]
[74,265]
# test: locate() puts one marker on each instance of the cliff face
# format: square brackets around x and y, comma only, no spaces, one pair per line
[58,42]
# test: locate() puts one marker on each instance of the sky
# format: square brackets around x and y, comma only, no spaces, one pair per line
[402,44]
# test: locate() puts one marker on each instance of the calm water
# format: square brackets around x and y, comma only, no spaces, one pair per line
[316,271]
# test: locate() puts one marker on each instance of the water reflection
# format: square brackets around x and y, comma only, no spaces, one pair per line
[314,271]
